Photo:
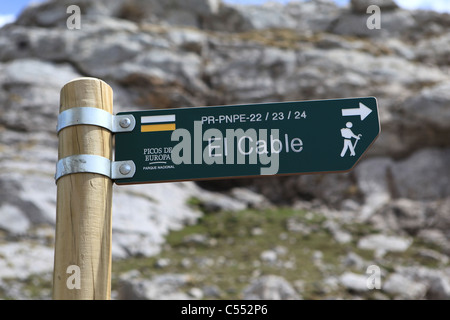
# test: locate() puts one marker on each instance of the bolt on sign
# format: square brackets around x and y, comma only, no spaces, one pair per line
[285,138]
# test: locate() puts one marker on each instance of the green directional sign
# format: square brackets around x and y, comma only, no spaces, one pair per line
[219,142]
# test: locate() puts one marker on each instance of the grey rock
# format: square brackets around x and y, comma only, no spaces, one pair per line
[269,256]
[44,15]
[163,287]
[317,260]
[398,48]
[32,198]
[251,198]
[188,39]
[12,219]
[403,214]
[61,44]
[339,235]
[105,61]
[270,287]
[373,180]
[212,291]
[26,72]
[32,87]
[186,263]
[404,288]
[392,23]
[360,6]
[280,250]
[139,232]
[431,106]
[13,289]
[434,236]
[428,220]
[381,243]
[354,282]
[317,256]
[54,13]
[430,24]
[22,259]
[437,281]
[270,15]
[188,13]
[352,260]
[293,225]
[439,289]
[433,255]
[215,202]
[257,231]
[196,293]
[240,80]
[162,263]
[142,231]
[204,262]
[423,176]
[439,214]
[330,284]
[330,189]
[196,239]
[434,50]
[312,16]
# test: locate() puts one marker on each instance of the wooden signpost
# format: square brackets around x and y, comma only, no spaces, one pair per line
[176,145]
[83,218]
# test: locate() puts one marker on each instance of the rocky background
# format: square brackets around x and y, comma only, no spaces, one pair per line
[392,210]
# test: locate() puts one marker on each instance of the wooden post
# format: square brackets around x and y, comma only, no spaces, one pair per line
[82,265]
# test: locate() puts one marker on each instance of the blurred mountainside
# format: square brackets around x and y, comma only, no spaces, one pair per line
[183,53]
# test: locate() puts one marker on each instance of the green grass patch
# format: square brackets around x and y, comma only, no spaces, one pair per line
[231,252]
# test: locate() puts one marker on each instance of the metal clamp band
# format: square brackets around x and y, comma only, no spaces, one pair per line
[95,117]
[88,163]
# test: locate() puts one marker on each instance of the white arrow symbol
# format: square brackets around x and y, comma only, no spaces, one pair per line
[362,111]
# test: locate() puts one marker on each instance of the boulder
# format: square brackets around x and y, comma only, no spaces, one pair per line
[338,234]
[432,107]
[132,286]
[373,176]
[270,287]
[403,215]
[312,16]
[360,6]
[267,16]
[30,90]
[423,176]
[382,244]
[434,50]
[354,282]
[392,23]
[437,281]
[19,261]
[404,288]
[176,12]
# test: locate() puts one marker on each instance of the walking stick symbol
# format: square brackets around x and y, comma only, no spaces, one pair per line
[359,136]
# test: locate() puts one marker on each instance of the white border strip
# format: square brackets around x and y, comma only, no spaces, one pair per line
[157,119]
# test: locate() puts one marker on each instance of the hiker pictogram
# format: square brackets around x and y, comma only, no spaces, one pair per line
[348,134]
